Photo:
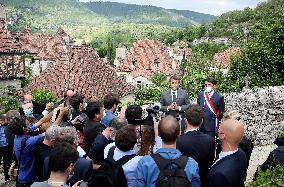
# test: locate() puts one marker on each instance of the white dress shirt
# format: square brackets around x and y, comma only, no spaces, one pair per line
[224,154]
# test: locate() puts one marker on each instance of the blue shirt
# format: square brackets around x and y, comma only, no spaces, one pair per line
[27,173]
[148,171]
[130,167]
[109,115]
[3,140]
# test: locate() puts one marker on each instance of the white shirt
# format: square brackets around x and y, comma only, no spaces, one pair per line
[210,94]
[224,154]
[194,129]
[172,91]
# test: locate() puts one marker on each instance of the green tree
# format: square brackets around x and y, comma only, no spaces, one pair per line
[273,177]
[262,59]
[8,103]
[44,96]
[159,78]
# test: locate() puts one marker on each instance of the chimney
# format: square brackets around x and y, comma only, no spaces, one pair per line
[2,17]
[2,24]
[2,11]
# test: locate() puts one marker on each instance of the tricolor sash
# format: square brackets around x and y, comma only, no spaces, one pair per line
[209,104]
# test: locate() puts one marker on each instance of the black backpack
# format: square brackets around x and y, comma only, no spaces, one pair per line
[111,174]
[171,177]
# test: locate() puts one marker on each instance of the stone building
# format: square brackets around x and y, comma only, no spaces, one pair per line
[12,60]
[46,48]
[56,63]
[147,57]
[84,72]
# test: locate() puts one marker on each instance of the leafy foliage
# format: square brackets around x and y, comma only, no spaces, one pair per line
[262,59]
[8,103]
[236,24]
[208,50]
[149,94]
[44,96]
[159,78]
[272,177]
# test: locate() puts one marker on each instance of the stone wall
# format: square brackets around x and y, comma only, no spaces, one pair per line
[13,84]
[262,110]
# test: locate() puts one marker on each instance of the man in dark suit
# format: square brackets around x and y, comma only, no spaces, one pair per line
[175,101]
[229,169]
[195,144]
[213,105]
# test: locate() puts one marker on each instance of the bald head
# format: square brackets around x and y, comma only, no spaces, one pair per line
[233,130]
[169,129]
[28,98]
[69,93]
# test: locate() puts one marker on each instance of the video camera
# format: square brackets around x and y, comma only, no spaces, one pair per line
[154,110]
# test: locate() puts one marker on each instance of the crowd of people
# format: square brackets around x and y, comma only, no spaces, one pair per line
[90,143]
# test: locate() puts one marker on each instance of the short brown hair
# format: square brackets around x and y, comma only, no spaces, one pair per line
[110,100]
[174,77]
[169,129]
[126,138]
[194,115]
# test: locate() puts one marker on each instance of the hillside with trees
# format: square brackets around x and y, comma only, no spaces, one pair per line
[145,14]
[76,17]
[236,24]
[259,64]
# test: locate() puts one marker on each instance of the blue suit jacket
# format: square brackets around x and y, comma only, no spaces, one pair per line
[182,101]
[229,171]
[209,118]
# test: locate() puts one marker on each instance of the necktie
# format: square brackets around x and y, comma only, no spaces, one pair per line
[174,97]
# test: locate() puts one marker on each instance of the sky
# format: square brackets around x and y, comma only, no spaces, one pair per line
[214,7]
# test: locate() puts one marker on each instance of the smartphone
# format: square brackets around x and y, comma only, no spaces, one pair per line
[83,184]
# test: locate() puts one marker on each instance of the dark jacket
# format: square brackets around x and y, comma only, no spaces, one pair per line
[209,118]
[200,147]
[276,156]
[91,130]
[38,108]
[41,152]
[230,171]
[83,170]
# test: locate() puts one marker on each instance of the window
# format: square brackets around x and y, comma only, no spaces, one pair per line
[133,61]
[139,84]
[156,63]
[10,65]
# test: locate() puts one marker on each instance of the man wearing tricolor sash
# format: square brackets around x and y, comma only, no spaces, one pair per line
[213,105]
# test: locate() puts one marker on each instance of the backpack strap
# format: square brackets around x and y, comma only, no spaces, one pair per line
[163,163]
[125,159]
[111,153]
[181,161]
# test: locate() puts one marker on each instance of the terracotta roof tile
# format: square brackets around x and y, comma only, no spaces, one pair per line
[223,59]
[85,73]
[8,42]
[141,58]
